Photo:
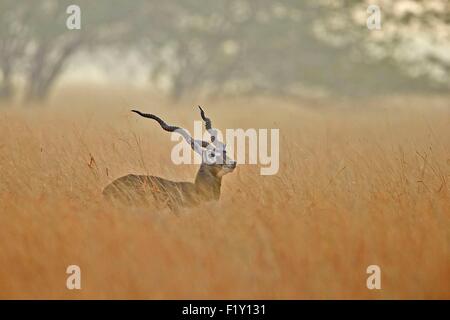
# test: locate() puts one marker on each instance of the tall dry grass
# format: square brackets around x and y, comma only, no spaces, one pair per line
[358,185]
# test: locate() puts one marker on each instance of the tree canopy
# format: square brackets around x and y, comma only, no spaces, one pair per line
[235,46]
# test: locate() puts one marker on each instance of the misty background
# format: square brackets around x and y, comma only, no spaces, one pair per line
[225,47]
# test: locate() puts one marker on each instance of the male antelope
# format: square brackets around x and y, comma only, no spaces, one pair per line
[141,189]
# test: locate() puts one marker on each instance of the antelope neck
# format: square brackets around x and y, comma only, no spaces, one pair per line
[207,184]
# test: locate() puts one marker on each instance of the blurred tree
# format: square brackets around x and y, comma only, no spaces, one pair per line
[284,47]
[289,47]
[36,45]
[411,52]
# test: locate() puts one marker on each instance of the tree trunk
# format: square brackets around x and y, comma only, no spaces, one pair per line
[6,86]
[45,71]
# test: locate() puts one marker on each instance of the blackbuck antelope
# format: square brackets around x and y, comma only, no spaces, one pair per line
[141,189]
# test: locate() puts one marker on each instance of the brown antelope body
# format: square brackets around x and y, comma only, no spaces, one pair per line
[144,190]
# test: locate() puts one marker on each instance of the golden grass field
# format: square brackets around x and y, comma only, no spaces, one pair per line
[360,183]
